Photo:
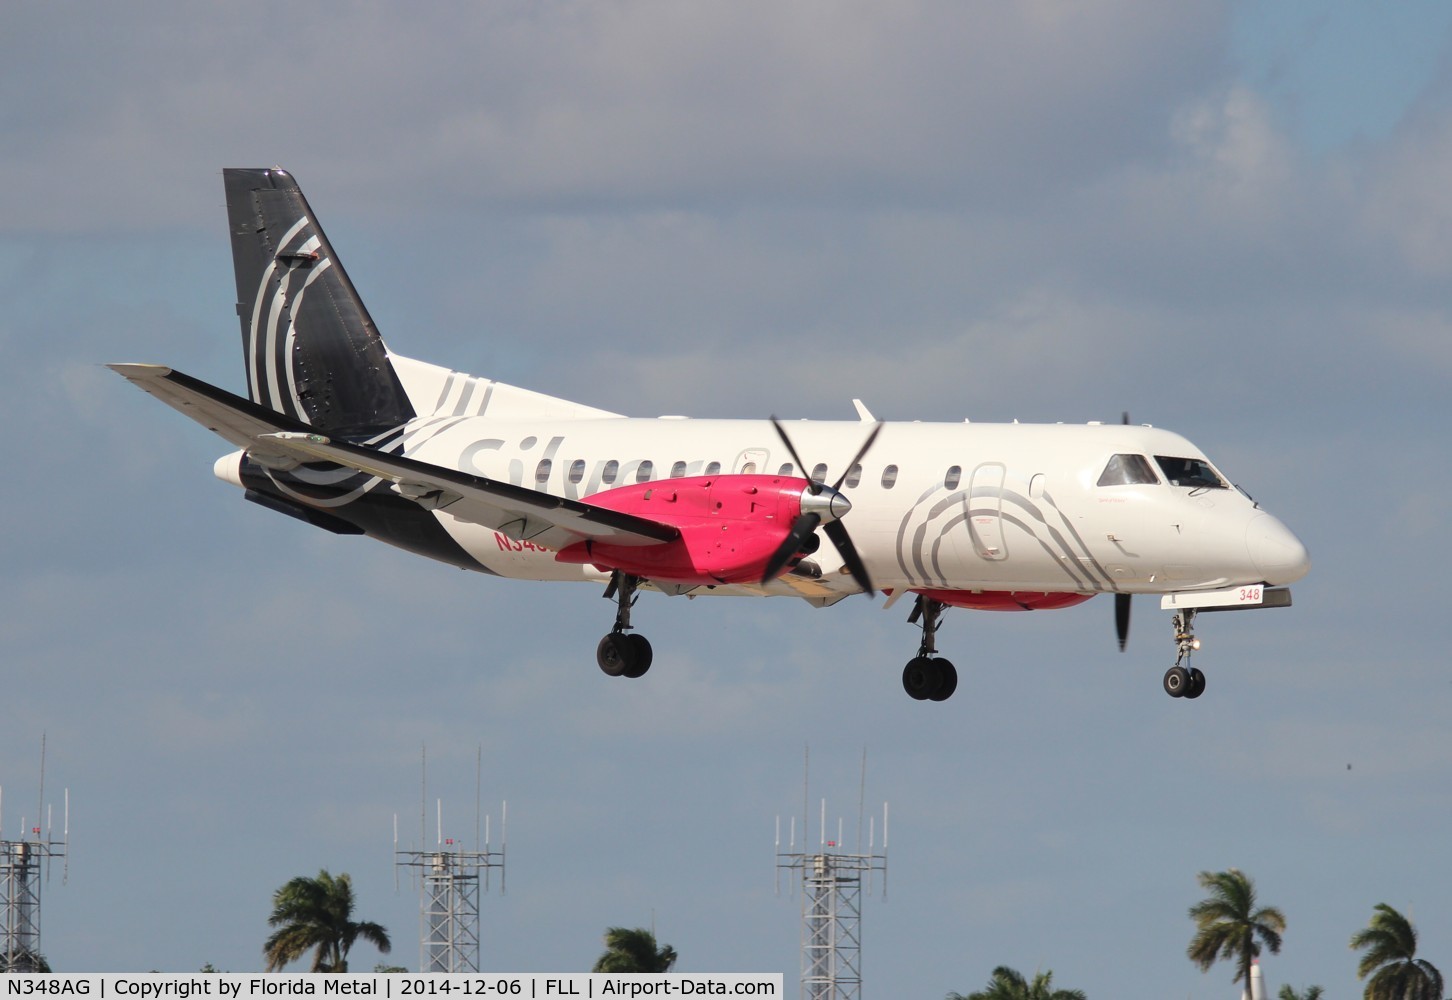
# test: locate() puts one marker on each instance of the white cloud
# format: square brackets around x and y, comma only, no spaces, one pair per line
[614,103]
[1233,138]
[1407,200]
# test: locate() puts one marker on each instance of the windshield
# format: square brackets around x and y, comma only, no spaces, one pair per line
[1195,473]
[1127,470]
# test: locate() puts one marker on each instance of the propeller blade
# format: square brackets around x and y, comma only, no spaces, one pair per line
[807,522]
[837,532]
[792,449]
[858,457]
[1121,619]
[803,526]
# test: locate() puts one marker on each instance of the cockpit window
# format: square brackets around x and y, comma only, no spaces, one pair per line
[1192,472]
[1127,470]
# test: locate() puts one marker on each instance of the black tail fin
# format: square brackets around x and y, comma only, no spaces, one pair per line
[311,349]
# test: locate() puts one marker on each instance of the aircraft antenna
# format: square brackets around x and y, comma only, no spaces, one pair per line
[25,864]
[448,877]
[832,880]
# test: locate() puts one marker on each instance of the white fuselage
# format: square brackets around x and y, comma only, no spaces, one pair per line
[976,507]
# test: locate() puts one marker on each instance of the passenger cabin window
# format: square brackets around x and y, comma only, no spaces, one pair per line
[645,472]
[612,469]
[678,470]
[1128,470]
[854,476]
[954,477]
[889,477]
[819,473]
[542,472]
[786,470]
[713,468]
[577,470]
[1192,472]
[749,469]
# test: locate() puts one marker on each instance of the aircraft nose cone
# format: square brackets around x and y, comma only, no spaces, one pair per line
[1276,552]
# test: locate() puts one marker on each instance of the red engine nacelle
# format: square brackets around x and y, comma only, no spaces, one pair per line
[730,526]
[1004,600]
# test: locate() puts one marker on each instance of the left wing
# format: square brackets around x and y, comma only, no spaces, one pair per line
[521,513]
[279,441]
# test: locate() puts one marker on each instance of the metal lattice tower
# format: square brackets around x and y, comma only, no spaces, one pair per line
[23,863]
[832,882]
[449,908]
[448,878]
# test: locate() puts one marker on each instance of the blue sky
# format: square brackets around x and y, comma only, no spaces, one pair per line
[1340,74]
[1231,220]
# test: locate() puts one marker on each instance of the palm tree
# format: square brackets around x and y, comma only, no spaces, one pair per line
[634,950]
[1390,943]
[1228,925]
[1008,984]
[317,913]
[1311,993]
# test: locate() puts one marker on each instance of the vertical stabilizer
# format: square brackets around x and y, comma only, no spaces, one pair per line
[311,349]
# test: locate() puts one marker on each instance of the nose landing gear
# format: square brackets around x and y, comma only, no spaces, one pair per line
[1182,680]
[929,677]
[622,653]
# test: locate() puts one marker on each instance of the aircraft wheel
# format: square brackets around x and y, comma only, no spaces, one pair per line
[1197,684]
[641,655]
[949,682]
[921,678]
[1177,682]
[614,654]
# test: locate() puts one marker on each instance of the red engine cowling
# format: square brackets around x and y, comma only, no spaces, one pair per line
[730,526]
[1004,600]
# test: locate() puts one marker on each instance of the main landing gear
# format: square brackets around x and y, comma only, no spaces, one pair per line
[623,653]
[1183,680]
[929,677]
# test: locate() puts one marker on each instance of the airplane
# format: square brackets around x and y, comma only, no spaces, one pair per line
[338,431]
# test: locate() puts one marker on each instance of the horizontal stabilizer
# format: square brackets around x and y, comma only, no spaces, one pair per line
[239,420]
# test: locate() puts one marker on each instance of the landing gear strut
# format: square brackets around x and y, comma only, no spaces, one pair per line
[623,653]
[928,677]
[1183,680]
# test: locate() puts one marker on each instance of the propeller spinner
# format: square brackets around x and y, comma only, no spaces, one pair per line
[823,506]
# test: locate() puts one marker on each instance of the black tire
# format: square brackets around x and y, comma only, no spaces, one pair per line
[1177,682]
[1197,684]
[614,654]
[948,682]
[921,678]
[641,655]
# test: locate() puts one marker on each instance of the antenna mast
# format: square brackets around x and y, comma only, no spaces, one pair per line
[448,880]
[832,880]
[21,862]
